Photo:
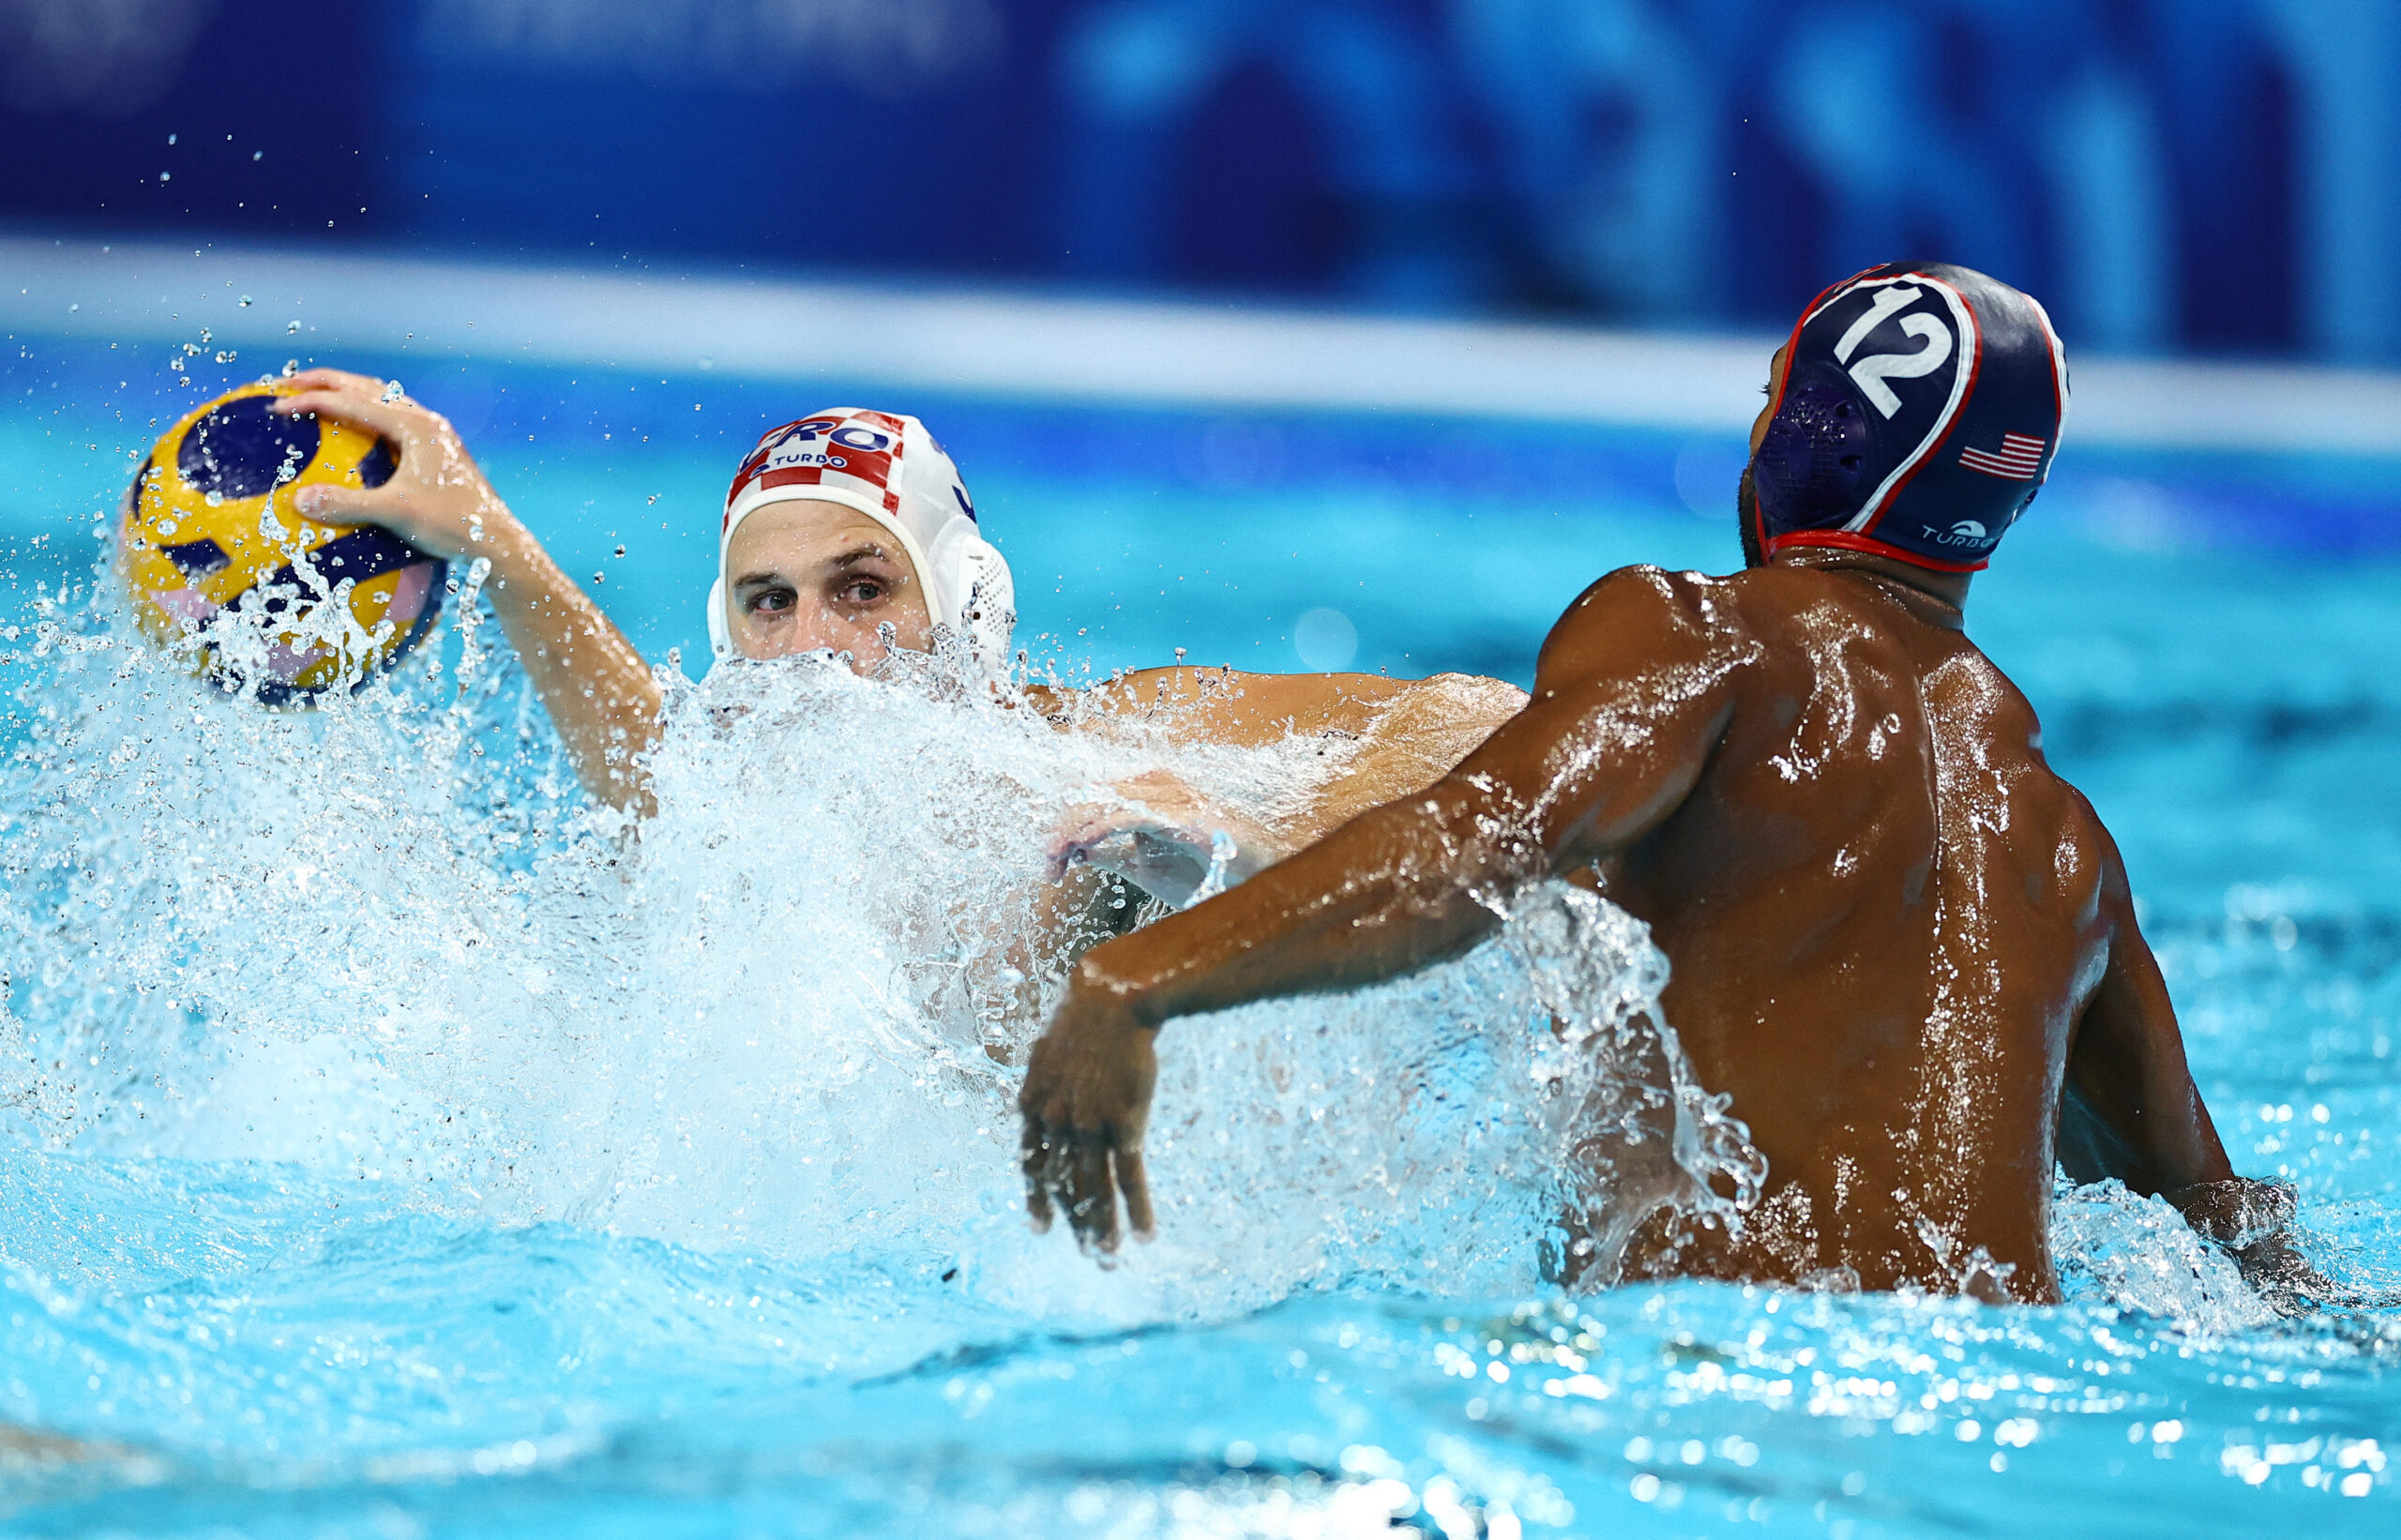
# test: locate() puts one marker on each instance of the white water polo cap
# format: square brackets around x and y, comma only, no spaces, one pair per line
[890,469]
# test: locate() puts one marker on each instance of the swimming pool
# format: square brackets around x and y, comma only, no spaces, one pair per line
[281,1282]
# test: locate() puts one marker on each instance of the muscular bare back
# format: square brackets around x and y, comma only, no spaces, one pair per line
[1880,794]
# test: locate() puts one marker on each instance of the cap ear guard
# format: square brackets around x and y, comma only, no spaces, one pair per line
[1811,463]
[988,616]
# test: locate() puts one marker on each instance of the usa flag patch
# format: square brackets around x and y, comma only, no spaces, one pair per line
[2020,458]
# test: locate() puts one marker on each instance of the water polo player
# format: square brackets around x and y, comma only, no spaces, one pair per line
[1900,942]
[851,531]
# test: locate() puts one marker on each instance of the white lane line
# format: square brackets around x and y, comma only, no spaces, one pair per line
[1051,348]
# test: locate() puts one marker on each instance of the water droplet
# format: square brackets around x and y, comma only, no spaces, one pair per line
[245,302]
[598,577]
[258,155]
[164,178]
[392,391]
[621,550]
[291,329]
[291,367]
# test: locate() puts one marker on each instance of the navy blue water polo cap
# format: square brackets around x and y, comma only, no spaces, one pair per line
[1918,415]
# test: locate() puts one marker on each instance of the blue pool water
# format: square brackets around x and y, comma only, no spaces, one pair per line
[367,1167]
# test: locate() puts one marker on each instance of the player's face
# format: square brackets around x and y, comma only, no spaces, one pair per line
[802,576]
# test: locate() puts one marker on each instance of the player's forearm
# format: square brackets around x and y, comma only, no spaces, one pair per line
[592,682]
[2180,1146]
[598,690]
[1395,890]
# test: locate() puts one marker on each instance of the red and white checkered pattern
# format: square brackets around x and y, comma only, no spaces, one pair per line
[843,452]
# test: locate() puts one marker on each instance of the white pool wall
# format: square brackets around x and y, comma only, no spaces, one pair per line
[1052,348]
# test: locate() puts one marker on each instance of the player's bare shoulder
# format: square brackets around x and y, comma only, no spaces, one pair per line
[2058,822]
[1647,612]
[1968,693]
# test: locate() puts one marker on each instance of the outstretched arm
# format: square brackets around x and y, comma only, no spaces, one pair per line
[2129,1109]
[1634,689]
[599,694]
[1397,736]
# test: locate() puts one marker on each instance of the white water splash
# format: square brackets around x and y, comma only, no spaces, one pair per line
[783,1016]
[2115,1248]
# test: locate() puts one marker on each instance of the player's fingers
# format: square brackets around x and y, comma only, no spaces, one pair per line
[1092,1198]
[336,379]
[388,419]
[1059,1181]
[330,504]
[1036,1163]
[1134,1182]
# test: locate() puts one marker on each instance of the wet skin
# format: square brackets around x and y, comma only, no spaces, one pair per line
[805,575]
[1902,943]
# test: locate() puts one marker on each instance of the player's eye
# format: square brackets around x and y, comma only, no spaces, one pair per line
[861,590]
[770,601]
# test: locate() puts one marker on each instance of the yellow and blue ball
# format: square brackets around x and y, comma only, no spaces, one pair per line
[209,527]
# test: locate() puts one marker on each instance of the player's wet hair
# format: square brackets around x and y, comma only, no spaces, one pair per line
[1918,415]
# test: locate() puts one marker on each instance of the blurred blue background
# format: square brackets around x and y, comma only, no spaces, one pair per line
[2183,176]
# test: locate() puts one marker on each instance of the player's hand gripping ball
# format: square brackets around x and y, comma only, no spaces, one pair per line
[210,527]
